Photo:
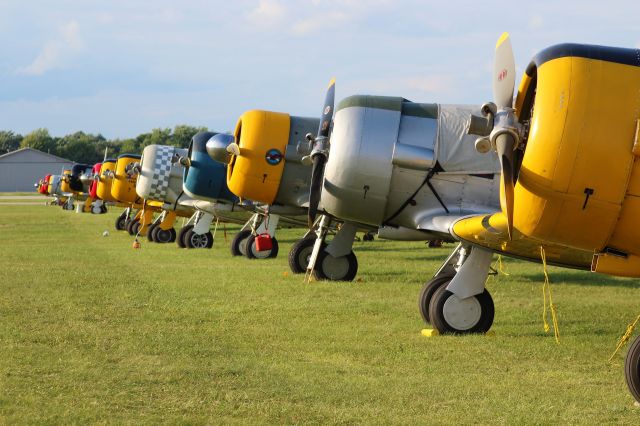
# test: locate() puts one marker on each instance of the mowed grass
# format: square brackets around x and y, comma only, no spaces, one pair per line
[93,331]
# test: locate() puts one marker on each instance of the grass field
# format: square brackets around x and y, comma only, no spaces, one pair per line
[93,331]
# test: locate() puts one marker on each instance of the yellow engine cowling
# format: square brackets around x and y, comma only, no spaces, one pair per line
[123,186]
[579,182]
[64,181]
[106,180]
[262,137]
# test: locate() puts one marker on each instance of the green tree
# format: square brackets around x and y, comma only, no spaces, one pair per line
[82,147]
[39,139]
[182,135]
[9,141]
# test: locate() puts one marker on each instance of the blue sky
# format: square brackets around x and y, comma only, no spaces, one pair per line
[121,68]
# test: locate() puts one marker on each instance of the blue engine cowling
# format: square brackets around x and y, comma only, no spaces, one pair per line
[205,178]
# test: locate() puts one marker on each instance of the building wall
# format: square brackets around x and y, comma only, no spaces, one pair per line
[19,171]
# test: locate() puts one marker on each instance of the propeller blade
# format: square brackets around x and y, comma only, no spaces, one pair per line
[317,173]
[327,111]
[505,148]
[319,153]
[233,149]
[504,73]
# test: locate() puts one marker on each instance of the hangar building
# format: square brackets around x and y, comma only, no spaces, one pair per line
[21,168]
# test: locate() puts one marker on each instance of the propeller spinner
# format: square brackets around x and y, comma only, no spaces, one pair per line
[320,152]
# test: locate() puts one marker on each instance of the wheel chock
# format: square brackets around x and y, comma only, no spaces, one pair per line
[430,332]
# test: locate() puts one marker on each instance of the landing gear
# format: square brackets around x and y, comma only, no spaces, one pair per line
[452,315]
[130,226]
[193,240]
[121,221]
[180,240]
[334,261]
[632,369]
[455,300]
[426,294]
[300,253]
[239,243]
[68,205]
[252,252]
[341,268]
[150,231]
[163,236]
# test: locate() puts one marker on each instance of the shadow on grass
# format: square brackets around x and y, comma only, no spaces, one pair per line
[581,278]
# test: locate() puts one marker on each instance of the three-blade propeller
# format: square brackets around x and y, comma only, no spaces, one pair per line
[320,152]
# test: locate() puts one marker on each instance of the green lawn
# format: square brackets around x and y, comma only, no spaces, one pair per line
[93,331]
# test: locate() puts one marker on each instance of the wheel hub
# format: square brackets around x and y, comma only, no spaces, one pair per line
[462,314]
[199,240]
[335,268]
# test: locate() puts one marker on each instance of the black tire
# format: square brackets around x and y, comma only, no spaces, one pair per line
[368,237]
[198,241]
[455,324]
[343,268]
[238,243]
[299,254]
[130,225]
[164,236]
[253,253]
[430,287]
[121,221]
[67,206]
[180,240]
[150,232]
[632,369]
[136,227]
[103,209]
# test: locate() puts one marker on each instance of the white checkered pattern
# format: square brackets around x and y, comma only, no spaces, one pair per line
[161,173]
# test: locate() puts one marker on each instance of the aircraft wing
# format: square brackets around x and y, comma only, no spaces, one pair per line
[489,231]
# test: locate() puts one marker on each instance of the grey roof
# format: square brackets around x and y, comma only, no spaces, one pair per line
[22,151]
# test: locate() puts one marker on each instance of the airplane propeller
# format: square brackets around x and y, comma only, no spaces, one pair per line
[504,71]
[320,152]
[501,125]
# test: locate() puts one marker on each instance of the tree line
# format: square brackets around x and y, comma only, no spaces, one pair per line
[82,147]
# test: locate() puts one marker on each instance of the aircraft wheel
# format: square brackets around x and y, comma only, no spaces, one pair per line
[193,240]
[300,253]
[238,244]
[632,369]
[103,209]
[368,237]
[68,206]
[451,315]
[180,240]
[430,287]
[121,221]
[253,253]
[135,228]
[164,236]
[130,226]
[343,268]
[150,232]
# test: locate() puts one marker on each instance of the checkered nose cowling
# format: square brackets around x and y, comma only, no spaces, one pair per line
[159,178]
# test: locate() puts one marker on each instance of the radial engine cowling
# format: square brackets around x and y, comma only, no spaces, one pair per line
[580,171]
[269,168]
[103,188]
[382,151]
[123,186]
[160,178]
[205,178]
[75,179]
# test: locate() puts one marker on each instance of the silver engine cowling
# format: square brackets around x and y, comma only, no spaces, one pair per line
[389,156]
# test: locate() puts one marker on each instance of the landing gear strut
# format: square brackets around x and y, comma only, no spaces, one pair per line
[455,301]
[334,261]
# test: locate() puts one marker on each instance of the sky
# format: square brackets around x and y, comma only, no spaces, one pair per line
[124,67]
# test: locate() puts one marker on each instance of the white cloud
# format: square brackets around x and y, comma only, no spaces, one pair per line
[323,21]
[267,13]
[57,51]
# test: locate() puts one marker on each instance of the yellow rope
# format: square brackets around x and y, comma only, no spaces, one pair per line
[501,267]
[546,293]
[625,337]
